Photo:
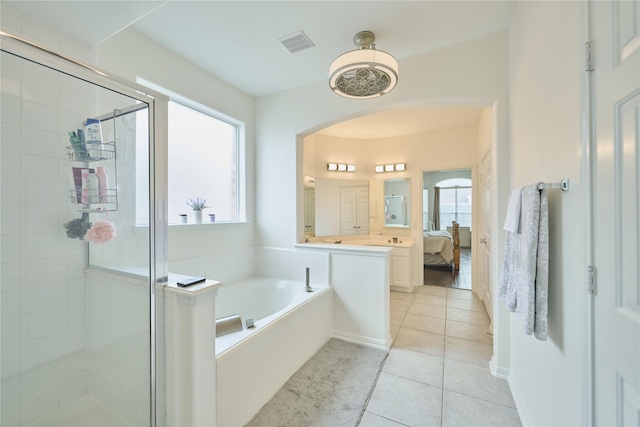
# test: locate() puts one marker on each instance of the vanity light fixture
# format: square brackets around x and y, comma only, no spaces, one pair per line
[398,167]
[340,167]
[365,72]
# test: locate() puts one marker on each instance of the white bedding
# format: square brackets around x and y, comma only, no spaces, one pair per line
[439,242]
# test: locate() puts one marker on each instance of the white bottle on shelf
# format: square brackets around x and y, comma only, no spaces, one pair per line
[103,184]
[92,187]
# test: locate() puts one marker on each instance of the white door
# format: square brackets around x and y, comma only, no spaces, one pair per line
[363,210]
[484,289]
[616,216]
[348,211]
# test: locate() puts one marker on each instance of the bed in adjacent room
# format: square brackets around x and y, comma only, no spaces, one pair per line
[441,248]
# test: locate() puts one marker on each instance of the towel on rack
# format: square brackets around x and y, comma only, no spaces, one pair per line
[512,221]
[525,266]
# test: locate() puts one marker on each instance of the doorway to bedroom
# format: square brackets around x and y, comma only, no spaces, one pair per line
[447,198]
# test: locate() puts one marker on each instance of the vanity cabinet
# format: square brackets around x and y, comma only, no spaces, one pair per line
[401,268]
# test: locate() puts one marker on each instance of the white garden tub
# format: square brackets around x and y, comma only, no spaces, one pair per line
[291,325]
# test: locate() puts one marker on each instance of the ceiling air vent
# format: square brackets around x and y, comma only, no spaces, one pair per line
[296,42]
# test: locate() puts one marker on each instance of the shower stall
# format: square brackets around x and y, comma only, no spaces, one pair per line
[83,243]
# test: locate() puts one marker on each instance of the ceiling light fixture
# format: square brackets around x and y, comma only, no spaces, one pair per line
[365,72]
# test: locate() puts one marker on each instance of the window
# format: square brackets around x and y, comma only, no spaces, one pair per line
[203,162]
[455,202]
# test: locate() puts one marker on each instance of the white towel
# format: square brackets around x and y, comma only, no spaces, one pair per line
[524,277]
[512,221]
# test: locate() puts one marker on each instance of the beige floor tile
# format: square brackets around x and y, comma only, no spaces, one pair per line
[428,310]
[462,294]
[431,299]
[414,365]
[466,304]
[468,316]
[399,305]
[396,317]
[403,296]
[459,410]
[373,420]
[405,401]
[424,323]
[476,381]
[425,342]
[467,351]
[432,290]
[468,331]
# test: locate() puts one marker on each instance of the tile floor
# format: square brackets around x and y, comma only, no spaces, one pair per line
[445,276]
[437,373]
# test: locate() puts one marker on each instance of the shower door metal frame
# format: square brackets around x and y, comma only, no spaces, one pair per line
[157,104]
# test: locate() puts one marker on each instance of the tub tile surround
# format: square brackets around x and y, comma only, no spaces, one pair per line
[278,263]
[440,378]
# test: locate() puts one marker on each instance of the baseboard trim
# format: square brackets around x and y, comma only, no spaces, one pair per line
[525,419]
[366,341]
[502,373]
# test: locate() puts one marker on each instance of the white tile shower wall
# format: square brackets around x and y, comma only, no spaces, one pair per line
[290,264]
[43,313]
[118,344]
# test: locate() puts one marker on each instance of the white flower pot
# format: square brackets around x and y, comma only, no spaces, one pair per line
[197,217]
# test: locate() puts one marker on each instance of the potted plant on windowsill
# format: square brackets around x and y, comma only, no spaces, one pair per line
[198,205]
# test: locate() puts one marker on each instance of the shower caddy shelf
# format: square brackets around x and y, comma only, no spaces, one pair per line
[94,203]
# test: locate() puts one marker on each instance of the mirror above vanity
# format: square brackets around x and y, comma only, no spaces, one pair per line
[396,202]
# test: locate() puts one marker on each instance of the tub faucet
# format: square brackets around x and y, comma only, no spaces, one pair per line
[307,287]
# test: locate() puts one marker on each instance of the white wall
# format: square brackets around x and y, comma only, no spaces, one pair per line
[134,56]
[544,67]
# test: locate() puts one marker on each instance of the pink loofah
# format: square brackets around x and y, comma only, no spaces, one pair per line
[100,232]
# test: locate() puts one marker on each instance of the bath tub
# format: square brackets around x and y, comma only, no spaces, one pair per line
[291,325]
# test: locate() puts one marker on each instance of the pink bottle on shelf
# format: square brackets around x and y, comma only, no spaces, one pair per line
[103,184]
[85,185]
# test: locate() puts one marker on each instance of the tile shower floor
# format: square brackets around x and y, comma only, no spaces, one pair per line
[84,411]
[437,373]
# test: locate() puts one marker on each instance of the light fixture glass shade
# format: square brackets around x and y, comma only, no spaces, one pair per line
[351,168]
[332,166]
[379,168]
[388,168]
[342,167]
[365,72]
[401,167]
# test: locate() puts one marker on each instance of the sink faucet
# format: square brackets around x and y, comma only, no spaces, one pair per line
[307,287]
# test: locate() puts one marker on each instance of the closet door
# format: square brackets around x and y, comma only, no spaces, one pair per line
[362,194]
[348,211]
[616,202]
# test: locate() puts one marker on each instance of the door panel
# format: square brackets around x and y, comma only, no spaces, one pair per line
[616,217]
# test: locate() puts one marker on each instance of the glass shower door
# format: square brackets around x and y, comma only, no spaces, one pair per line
[76,258]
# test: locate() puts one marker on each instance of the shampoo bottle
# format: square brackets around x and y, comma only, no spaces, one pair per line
[92,187]
[103,184]
[84,175]
[93,137]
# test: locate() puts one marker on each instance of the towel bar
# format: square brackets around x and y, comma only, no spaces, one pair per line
[563,185]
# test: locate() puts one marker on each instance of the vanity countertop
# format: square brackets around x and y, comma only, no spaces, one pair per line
[364,241]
